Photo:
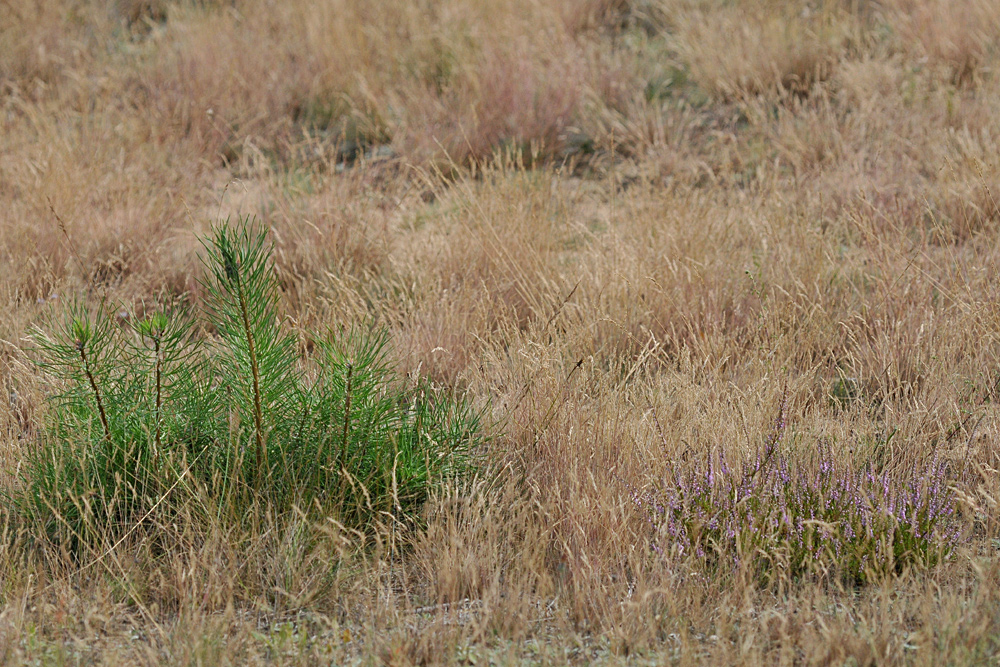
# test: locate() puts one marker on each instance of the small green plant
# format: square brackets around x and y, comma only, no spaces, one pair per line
[146,412]
[775,516]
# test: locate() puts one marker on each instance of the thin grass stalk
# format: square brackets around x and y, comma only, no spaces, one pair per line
[420,414]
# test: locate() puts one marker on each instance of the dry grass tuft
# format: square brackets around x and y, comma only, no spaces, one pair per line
[735,50]
[958,36]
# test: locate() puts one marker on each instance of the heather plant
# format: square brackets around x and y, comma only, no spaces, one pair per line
[145,414]
[774,516]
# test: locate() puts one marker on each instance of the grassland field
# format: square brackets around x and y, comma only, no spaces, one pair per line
[649,241]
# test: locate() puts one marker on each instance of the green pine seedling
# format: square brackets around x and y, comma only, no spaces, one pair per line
[256,358]
[98,464]
[145,414]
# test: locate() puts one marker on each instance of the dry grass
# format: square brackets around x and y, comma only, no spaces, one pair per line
[630,229]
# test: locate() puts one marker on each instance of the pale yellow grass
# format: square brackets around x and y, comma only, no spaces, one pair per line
[593,216]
